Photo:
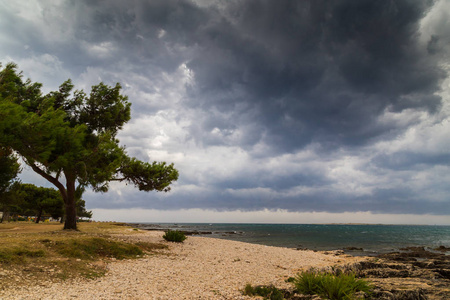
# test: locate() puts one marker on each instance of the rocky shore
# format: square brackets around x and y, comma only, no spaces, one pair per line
[413,273]
[186,230]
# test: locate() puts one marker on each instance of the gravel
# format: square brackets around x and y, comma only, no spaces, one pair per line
[199,268]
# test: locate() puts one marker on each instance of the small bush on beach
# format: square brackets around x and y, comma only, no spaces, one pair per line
[340,286]
[267,292]
[174,236]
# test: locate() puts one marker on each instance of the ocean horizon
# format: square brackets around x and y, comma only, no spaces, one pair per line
[356,239]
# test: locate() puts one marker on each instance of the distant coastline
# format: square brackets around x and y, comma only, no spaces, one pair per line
[353,238]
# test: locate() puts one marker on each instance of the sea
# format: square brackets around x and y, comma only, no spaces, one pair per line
[354,239]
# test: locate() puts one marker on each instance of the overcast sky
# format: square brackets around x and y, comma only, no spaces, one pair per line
[272,111]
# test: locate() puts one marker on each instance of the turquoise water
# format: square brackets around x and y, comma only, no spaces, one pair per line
[372,238]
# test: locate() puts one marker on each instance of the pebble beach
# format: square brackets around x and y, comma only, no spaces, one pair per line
[198,268]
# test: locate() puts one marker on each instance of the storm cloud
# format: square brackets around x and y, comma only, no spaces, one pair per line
[327,106]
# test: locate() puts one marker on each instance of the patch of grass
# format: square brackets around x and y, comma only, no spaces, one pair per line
[151,247]
[33,253]
[174,236]
[342,286]
[18,255]
[94,248]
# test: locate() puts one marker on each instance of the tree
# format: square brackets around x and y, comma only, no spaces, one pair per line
[11,201]
[9,168]
[81,204]
[81,209]
[69,138]
[39,200]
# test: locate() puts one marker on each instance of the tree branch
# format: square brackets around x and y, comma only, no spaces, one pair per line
[50,178]
[118,179]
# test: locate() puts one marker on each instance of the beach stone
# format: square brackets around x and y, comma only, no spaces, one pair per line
[442,248]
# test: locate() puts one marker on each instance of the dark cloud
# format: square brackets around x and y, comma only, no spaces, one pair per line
[312,92]
[399,200]
[405,160]
[317,70]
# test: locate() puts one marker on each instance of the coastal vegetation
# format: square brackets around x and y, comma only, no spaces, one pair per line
[334,285]
[267,292]
[69,138]
[37,252]
[28,202]
[174,236]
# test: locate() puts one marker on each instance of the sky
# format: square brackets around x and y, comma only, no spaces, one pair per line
[272,111]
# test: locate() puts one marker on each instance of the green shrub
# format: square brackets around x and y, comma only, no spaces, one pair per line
[174,236]
[308,283]
[248,290]
[267,292]
[334,287]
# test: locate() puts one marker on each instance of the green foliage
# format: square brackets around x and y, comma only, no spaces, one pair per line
[39,200]
[308,283]
[9,168]
[248,290]
[341,286]
[81,209]
[267,292]
[174,236]
[134,170]
[290,279]
[69,138]
[11,200]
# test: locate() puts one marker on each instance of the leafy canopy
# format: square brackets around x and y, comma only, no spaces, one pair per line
[9,168]
[69,136]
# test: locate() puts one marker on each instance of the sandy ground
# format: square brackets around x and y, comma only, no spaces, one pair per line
[199,268]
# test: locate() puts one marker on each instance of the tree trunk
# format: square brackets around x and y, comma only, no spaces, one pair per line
[5,216]
[38,218]
[71,211]
[67,193]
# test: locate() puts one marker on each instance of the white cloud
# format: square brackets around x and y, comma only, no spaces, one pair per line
[46,68]
[262,216]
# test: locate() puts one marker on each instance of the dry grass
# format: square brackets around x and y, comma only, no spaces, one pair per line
[44,252]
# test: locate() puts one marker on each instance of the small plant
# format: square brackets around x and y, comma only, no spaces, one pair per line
[342,286]
[248,290]
[308,283]
[267,292]
[174,236]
